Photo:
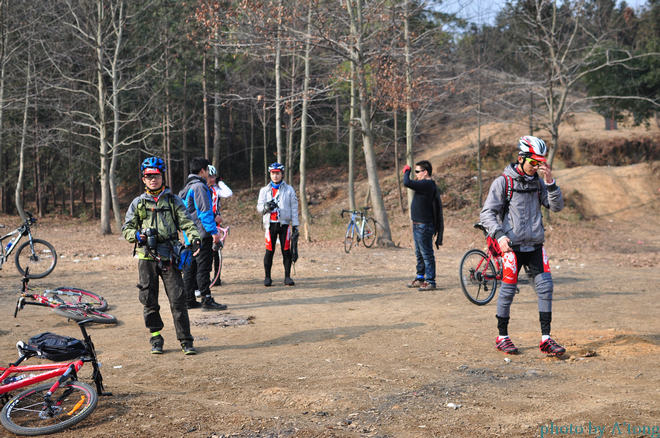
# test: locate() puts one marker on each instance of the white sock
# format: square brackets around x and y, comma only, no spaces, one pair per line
[545,338]
[499,338]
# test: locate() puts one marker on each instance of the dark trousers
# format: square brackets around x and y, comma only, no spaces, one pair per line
[423,237]
[199,274]
[278,230]
[149,273]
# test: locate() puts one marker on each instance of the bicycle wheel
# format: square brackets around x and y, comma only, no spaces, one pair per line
[73,295]
[348,241]
[369,232]
[478,279]
[80,313]
[26,414]
[218,271]
[41,263]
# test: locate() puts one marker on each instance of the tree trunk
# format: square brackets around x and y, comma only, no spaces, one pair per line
[101,86]
[185,126]
[479,177]
[351,144]
[396,159]
[4,39]
[410,160]
[289,142]
[304,208]
[265,145]
[251,147]
[93,198]
[380,213]
[168,139]
[278,87]
[207,152]
[216,116]
[37,175]
[71,200]
[338,120]
[21,161]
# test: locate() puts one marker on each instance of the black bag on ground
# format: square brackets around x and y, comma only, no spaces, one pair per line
[57,348]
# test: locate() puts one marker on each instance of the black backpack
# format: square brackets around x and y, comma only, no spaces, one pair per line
[57,348]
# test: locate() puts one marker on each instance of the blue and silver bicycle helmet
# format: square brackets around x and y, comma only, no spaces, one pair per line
[153,165]
[276,167]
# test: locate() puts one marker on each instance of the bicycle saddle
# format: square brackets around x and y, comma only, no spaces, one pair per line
[480,226]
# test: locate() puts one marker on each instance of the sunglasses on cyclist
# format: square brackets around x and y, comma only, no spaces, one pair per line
[418,171]
[153,176]
[533,162]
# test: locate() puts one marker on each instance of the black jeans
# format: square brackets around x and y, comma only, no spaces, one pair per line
[149,274]
[199,274]
[278,230]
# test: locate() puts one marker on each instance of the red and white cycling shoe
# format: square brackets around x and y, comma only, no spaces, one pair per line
[551,348]
[506,346]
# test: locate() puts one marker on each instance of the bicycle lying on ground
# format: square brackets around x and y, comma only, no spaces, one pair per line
[50,407]
[480,271]
[70,302]
[360,226]
[224,232]
[36,254]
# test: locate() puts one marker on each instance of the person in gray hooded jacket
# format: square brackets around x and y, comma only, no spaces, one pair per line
[512,215]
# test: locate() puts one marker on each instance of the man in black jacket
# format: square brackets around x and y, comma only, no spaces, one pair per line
[427,222]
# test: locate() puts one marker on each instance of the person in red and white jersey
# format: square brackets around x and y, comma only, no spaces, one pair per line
[218,190]
[279,206]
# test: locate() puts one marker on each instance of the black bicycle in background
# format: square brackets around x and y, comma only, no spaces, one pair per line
[36,254]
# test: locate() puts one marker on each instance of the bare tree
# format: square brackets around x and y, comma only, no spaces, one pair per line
[563,42]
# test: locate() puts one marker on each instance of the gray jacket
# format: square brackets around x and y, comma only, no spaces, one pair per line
[287,204]
[523,223]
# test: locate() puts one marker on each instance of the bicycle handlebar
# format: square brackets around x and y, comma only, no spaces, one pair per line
[362,211]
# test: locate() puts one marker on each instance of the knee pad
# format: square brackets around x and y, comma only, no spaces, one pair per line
[505,298]
[544,289]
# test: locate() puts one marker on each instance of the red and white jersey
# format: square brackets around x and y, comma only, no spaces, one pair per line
[219,190]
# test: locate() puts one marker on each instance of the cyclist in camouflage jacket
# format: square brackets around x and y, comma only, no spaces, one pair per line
[158,209]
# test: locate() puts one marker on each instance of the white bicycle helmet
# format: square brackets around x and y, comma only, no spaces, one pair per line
[533,148]
[212,170]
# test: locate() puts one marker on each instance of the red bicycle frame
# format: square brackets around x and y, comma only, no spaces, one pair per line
[55,370]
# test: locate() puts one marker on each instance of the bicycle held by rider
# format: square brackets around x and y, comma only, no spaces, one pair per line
[361,227]
[37,254]
[480,271]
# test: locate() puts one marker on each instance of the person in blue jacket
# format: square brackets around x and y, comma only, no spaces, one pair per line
[197,199]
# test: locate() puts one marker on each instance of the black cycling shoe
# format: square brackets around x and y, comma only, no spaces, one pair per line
[157,344]
[268,281]
[289,282]
[209,304]
[187,348]
[193,304]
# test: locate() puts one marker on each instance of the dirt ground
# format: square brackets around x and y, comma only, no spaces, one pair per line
[351,352]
